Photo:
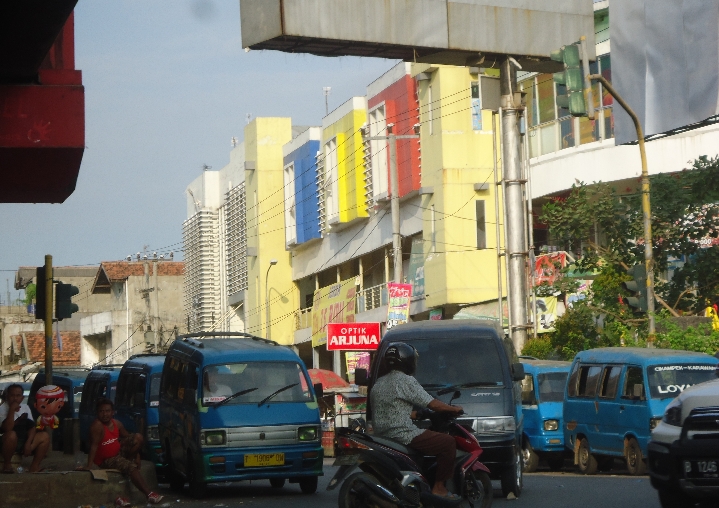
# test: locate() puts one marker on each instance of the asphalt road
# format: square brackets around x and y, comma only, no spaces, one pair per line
[541,490]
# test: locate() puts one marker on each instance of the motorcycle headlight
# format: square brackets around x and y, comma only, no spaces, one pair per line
[673,414]
[213,437]
[551,424]
[153,433]
[307,433]
[495,424]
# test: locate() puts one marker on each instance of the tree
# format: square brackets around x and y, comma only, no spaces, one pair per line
[30,292]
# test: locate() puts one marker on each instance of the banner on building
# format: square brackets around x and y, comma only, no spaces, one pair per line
[415,272]
[356,360]
[332,304]
[546,313]
[400,296]
[353,336]
[547,267]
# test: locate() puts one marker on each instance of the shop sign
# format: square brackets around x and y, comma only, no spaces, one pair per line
[400,296]
[353,336]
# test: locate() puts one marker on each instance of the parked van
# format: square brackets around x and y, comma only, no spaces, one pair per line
[542,401]
[238,407]
[616,396]
[101,382]
[472,358]
[137,404]
[71,380]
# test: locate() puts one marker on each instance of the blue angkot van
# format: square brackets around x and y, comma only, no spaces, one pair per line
[137,404]
[616,396]
[542,404]
[237,407]
[101,382]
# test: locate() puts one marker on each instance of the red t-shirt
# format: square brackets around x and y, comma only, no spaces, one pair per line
[110,445]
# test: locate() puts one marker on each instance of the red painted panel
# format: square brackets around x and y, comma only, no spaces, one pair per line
[401,108]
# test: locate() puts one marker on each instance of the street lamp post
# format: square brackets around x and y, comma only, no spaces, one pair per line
[273,262]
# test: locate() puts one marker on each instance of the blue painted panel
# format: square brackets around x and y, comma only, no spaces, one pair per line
[306,197]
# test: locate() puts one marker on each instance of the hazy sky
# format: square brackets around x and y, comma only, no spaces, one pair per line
[167,85]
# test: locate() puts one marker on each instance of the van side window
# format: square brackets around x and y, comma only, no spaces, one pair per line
[610,382]
[138,392]
[122,397]
[528,398]
[634,384]
[170,378]
[191,380]
[572,385]
[588,380]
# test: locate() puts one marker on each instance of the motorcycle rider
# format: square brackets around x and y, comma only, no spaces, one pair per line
[393,397]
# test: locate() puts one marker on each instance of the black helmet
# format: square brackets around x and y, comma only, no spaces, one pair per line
[401,356]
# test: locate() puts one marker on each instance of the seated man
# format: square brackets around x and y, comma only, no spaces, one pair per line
[394,395]
[18,431]
[112,447]
[213,390]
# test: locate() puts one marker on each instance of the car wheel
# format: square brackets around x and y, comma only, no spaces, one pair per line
[674,498]
[198,488]
[529,458]
[635,459]
[587,462]
[277,483]
[512,477]
[352,492]
[308,485]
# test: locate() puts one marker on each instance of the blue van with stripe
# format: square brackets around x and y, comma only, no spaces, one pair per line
[542,405]
[615,396]
[238,407]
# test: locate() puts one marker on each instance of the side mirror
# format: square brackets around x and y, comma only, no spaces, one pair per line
[319,391]
[517,372]
[361,377]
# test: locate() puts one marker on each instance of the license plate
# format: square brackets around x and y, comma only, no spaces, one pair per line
[701,468]
[265,459]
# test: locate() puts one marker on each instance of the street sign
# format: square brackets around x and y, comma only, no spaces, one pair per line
[353,336]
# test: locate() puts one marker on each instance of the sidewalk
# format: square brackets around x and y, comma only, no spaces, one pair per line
[60,486]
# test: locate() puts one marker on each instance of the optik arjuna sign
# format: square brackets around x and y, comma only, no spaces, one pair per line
[353,336]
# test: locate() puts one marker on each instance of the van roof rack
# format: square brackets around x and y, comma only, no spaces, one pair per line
[240,335]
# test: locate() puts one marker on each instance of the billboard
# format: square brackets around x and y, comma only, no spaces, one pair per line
[665,63]
[456,32]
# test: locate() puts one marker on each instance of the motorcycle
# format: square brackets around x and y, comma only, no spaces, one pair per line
[393,475]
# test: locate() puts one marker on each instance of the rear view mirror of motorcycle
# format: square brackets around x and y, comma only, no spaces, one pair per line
[361,377]
[457,394]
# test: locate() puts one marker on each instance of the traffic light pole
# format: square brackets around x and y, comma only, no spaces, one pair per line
[49,307]
[514,207]
[646,205]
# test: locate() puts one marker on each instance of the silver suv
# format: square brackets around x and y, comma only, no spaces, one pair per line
[683,454]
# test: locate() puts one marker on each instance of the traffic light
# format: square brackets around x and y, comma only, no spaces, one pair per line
[64,308]
[639,286]
[40,293]
[571,78]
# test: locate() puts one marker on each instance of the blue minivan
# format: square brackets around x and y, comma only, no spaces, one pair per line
[237,407]
[137,404]
[542,401]
[615,396]
[101,382]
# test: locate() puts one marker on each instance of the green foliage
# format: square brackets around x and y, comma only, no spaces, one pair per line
[30,292]
[541,348]
[574,331]
[702,338]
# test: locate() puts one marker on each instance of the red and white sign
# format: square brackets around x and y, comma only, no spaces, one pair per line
[353,336]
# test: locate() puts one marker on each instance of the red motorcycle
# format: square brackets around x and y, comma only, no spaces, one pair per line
[393,475]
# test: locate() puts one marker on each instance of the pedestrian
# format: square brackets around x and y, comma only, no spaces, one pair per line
[112,447]
[18,431]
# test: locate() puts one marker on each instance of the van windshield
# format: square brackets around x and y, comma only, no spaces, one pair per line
[220,382]
[458,361]
[670,380]
[551,386]
[155,389]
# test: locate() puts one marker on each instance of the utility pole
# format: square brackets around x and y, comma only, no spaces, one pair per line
[46,286]
[646,205]
[514,207]
[391,140]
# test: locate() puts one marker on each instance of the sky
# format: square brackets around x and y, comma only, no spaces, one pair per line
[167,85]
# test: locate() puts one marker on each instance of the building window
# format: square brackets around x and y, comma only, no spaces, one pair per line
[331,190]
[430,111]
[481,226]
[290,209]
[379,151]
[476,107]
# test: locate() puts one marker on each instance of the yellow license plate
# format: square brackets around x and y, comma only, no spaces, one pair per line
[265,459]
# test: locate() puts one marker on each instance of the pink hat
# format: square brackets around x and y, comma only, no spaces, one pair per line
[50,392]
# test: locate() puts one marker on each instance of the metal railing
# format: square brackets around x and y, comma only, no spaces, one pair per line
[372,298]
[568,132]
